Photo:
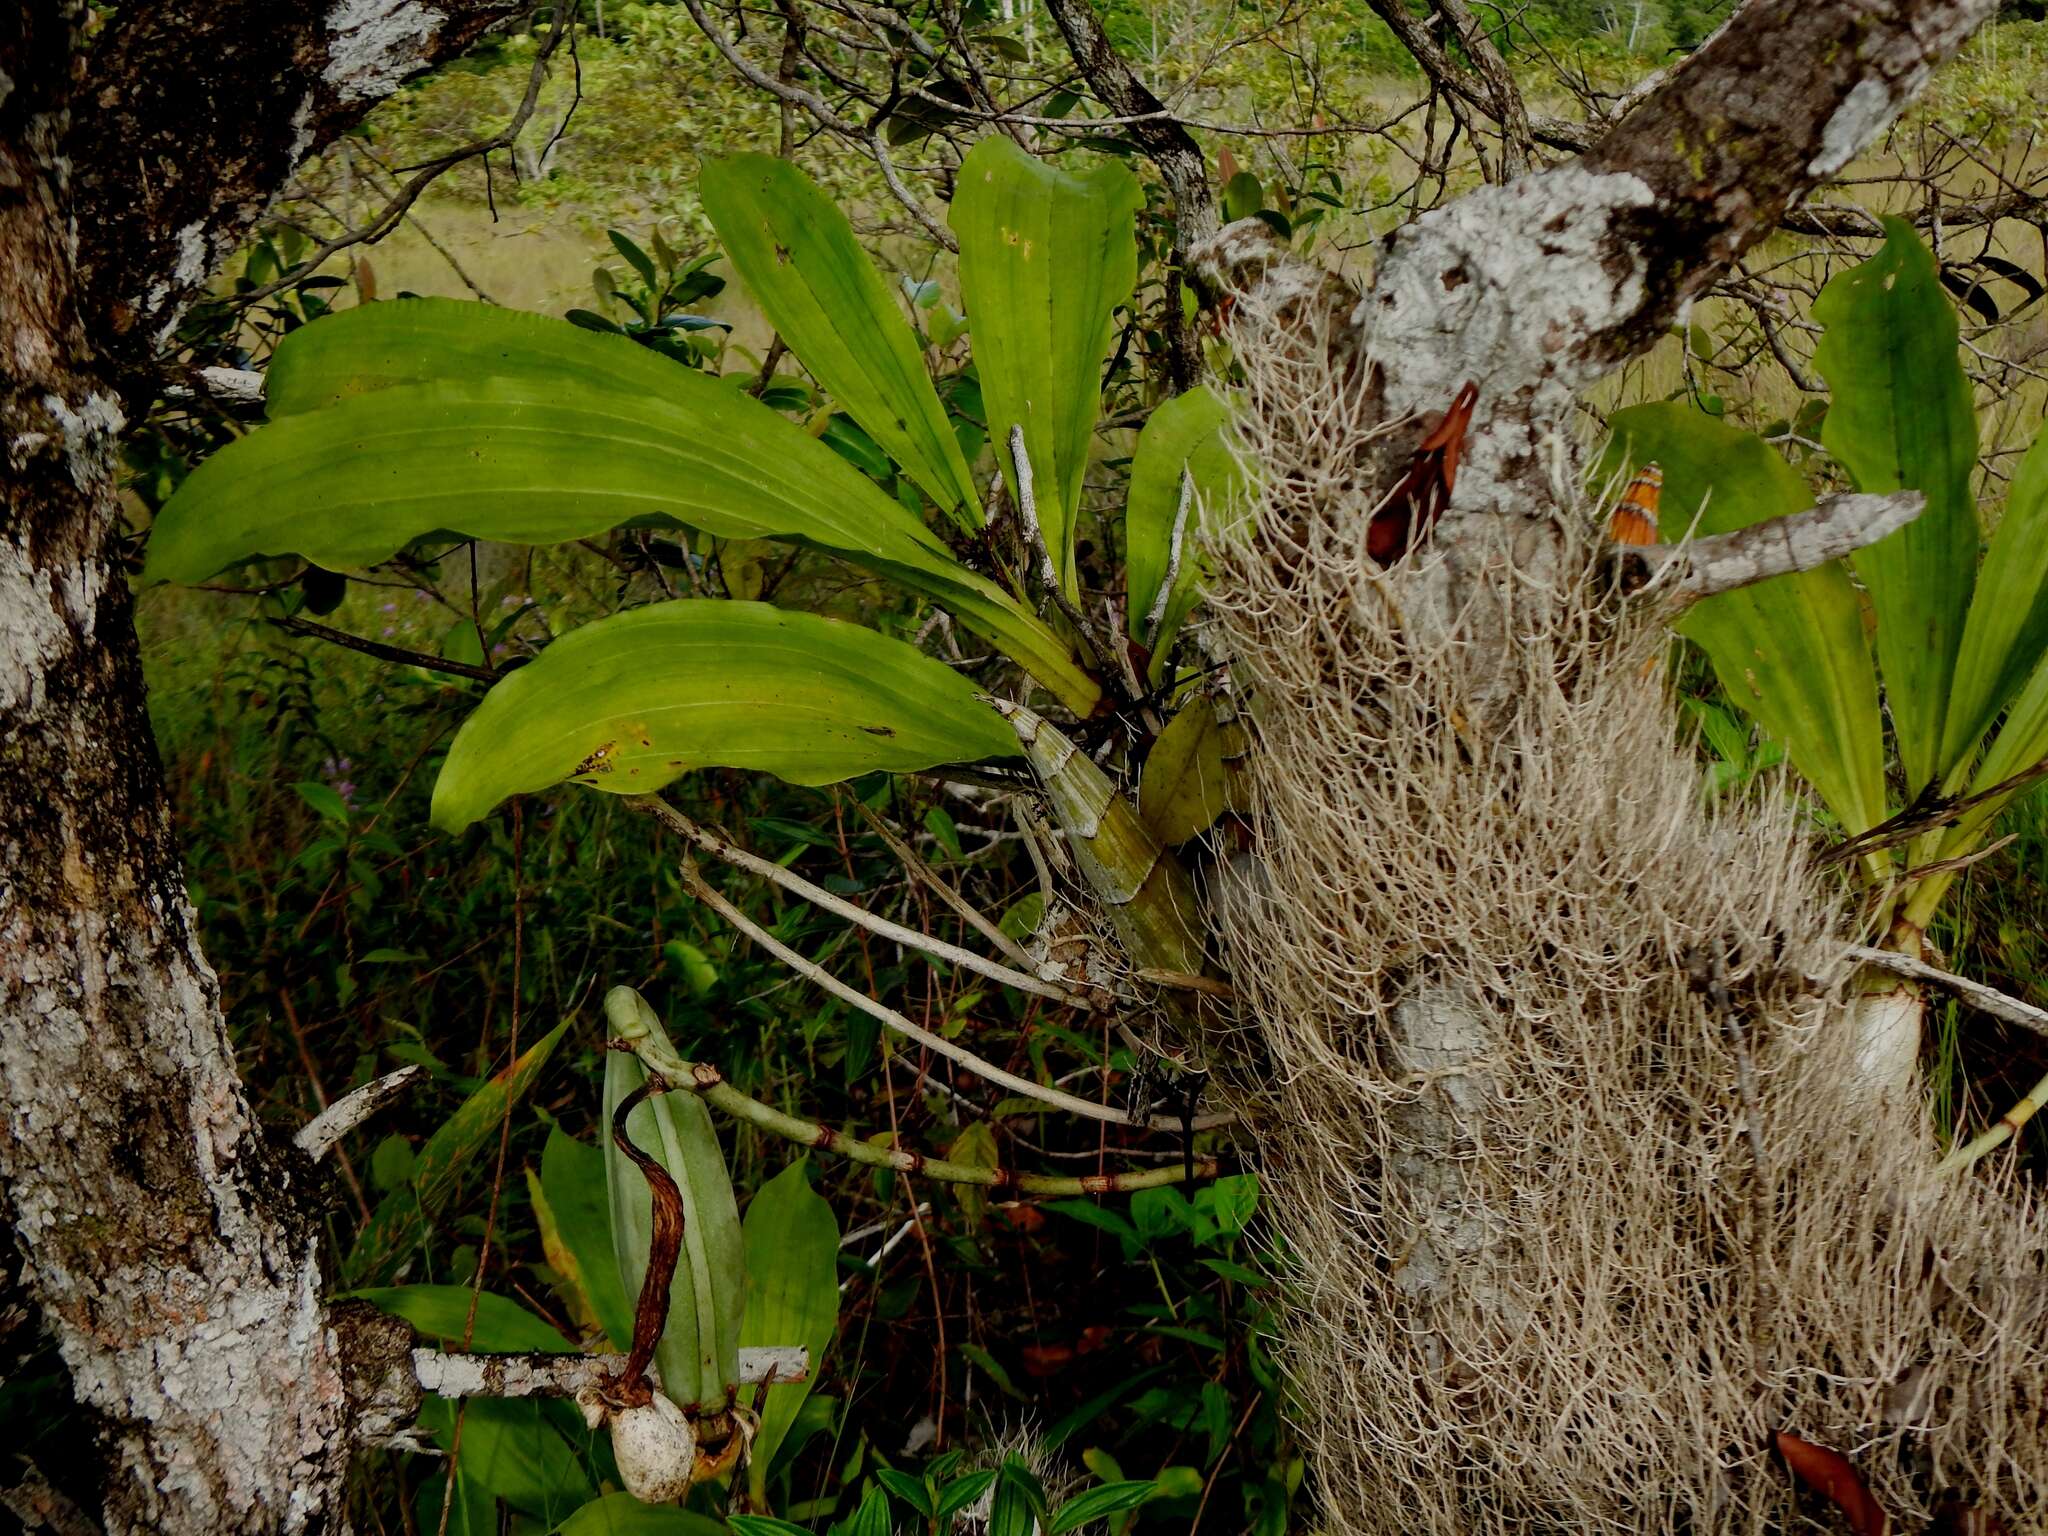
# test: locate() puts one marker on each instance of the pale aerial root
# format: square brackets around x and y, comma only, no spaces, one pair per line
[1541,1282]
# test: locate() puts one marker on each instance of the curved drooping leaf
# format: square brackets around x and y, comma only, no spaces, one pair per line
[620,1514]
[630,702]
[498,1325]
[403,1216]
[2007,633]
[797,254]
[792,1241]
[698,1353]
[1045,259]
[1183,438]
[1791,651]
[427,415]
[1901,418]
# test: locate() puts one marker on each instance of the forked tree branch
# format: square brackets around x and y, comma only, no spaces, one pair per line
[1538,288]
[1167,143]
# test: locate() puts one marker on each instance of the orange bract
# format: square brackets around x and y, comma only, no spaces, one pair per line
[1635,516]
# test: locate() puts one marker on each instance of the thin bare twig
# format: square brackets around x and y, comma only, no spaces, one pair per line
[427,173]
[702,889]
[972,915]
[393,653]
[724,849]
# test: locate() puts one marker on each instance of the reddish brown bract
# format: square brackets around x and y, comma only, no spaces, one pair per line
[1418,500]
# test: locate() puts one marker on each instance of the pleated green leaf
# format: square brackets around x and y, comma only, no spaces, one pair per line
[2007,632]
[1045,259]
[792,1242]
[620,1514]
[431,416]
[1183,439]
[630,702]
[1791,651]
[797,254]
[698,1355]
[1901,418]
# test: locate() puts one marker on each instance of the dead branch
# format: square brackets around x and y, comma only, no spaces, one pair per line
[565,1375]
[318,1135]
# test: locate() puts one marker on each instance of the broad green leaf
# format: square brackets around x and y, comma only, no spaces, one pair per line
[1184,787]
[1045,259]
[620,1514]
[963,1491]
[1791,651]
[572,1176]
[403,1216]
[911,1490]
[1086,1508]
[441,1312]
[1901,418]
[698,1353]
[629,703]
[2021,742]
[764,1525]
[325,801]
[526,1451]
[792,1244]
[444,417]
[2007,633]
[871,1519]
[797,254]
[1019,1503]
[1184,439]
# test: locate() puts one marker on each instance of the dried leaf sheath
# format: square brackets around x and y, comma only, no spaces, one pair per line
[665,1246]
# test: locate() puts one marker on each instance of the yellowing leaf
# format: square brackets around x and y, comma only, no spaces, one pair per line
[1185,785]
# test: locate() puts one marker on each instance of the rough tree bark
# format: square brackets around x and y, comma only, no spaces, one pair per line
[165,1240]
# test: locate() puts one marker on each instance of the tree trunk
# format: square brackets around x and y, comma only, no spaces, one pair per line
[169,1245]
[1561,1112]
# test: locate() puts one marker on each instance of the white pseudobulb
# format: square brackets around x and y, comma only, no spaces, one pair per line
[655,1448]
